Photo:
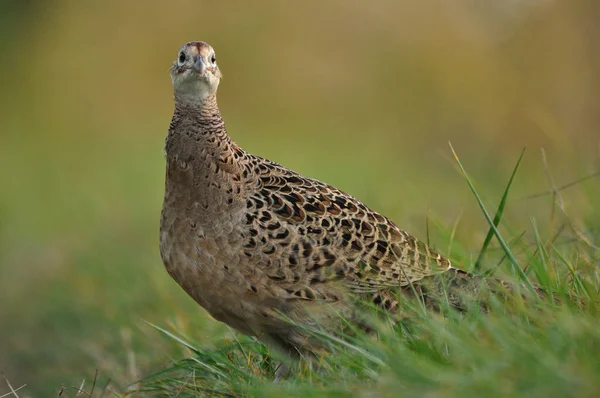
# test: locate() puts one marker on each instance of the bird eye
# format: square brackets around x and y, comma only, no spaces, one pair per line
[182,57]
[213,59]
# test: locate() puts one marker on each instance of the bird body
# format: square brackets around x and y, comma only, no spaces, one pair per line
[248,239]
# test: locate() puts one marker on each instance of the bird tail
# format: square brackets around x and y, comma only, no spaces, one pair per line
[458,289]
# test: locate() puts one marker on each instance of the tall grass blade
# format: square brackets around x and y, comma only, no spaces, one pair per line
[497,216]
[541,269]
[505,247]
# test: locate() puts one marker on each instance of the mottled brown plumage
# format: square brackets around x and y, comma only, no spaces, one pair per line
[248,238]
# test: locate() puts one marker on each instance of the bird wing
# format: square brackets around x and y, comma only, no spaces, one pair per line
[306,233]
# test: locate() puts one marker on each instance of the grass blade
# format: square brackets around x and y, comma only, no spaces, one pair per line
[497,216]
[541,270]
[505,247]
[176,338]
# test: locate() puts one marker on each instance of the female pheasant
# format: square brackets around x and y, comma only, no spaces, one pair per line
[249,239]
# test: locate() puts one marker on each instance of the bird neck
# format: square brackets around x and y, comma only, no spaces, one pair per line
[205,108]
[197,137]
[197,130]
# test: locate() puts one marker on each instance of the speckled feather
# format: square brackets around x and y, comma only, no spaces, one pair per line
[247,238]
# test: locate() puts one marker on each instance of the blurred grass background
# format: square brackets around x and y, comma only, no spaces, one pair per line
[363,96]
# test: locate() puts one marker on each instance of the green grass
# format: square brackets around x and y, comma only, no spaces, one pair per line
[533,347]
[540,351]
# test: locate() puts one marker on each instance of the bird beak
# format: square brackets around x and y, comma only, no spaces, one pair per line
[199,65]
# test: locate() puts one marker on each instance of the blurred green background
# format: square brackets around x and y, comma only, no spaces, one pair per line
[362,95]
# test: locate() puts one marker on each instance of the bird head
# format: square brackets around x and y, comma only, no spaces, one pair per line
[195,74]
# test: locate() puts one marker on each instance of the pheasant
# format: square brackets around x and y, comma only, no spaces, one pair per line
[250,240]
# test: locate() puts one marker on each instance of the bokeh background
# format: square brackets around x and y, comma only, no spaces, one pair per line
[364,95]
